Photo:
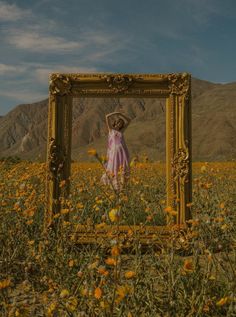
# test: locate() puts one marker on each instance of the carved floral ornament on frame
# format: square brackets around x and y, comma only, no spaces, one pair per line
[176,88]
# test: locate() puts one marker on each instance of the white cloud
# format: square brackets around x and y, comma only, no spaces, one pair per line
[42,74]
[30,89]
[10,12]
[38,42]
[101,46]
[35,80]
[11,69]
[39,34]
[90,47]
[26,95]
[99,38]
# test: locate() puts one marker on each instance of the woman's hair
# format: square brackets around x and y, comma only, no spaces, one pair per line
[117,121]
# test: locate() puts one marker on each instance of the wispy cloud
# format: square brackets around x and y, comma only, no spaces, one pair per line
[39,42]
[107,52]
[33,84]
[11,12]
[99,38]
[42,74]
[11,70]
[23,95]
[39,34]
[91,45]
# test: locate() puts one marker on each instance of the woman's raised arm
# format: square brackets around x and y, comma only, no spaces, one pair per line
[108,116]
[127,120]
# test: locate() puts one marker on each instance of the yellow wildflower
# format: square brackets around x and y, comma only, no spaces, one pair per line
[4,203]
[110,261]
[79,273]
[100,225]
[93,265]
[188,266]
[29,222]
[71,263]
[64,293]
[224,227]
[222,205]
[71,303]
[103,271]
[222,301]
[149,218]
[97,293]
[65,211]
[115,251]
[51,308]
[129,274]
[219,219]
[92,152]
[194,222]
[208,185]
[79,205]
[5,283]
[206,307]
[103,159]
[170,211]
[104,304]
[62,183]
[29,212]
[114,215]
[122,291]
[130,232]
[84,291]
[203,168]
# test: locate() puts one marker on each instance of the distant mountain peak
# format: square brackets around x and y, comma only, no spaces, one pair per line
[23,130]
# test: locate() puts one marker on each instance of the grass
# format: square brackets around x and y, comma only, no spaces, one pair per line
[56,277]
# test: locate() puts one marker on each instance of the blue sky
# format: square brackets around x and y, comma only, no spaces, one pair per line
[125,36]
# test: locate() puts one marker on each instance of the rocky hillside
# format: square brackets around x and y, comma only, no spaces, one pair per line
[23,131]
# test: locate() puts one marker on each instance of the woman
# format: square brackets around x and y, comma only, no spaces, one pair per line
[118,158]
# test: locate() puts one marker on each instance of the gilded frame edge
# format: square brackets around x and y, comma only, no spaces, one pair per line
[175,87]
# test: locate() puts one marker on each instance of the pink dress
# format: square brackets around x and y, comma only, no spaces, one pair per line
[118,159]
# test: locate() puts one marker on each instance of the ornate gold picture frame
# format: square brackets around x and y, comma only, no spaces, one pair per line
[175,87]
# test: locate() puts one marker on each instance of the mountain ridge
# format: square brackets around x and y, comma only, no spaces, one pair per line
[23,130]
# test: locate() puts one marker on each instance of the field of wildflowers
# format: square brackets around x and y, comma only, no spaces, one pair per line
[57,277]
